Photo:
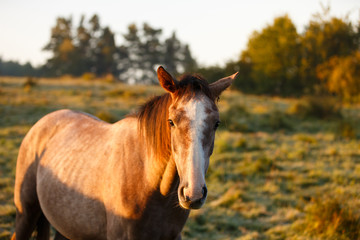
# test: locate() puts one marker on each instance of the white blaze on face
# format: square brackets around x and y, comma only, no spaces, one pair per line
[195,169]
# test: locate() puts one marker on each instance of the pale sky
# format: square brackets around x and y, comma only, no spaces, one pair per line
[217,31]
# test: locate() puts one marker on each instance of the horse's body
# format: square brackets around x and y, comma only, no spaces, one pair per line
[94,180]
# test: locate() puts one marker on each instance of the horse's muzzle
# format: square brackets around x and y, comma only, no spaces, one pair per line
[189,203]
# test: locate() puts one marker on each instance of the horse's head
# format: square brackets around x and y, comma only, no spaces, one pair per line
[193,119]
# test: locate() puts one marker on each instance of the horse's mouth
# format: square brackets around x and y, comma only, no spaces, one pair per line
[197,204]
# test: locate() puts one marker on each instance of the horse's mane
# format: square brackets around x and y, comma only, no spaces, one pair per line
[153,115]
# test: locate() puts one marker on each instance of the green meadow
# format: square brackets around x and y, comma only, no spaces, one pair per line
[281,168]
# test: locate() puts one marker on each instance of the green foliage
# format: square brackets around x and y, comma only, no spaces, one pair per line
[142,51]
[280,61]
[13,68]
[211,74]
[325,37]
[275,56]
[277,60]
[244,82]
[92,48]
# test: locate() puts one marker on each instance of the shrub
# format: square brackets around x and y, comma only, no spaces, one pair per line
[29,83]
[88,76]
[275,120]
[346,130]
[109,78]
[316,107]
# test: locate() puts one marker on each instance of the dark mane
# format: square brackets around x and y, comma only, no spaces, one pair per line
[190,85]
[153,115]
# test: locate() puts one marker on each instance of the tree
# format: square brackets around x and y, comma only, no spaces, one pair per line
[244,81]
[177,57]
[341,76]
[91,49]
[324,38]
[97,47]
[211,73]
[83,48]
[172,53]
[104,53]
[62,47]
[151,51]
[143,50]
[131,55]
[188,63]
[13,68]
[274,57]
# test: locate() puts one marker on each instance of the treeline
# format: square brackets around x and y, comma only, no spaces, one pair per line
[278,60]
[90,48]
[324,59]
[13,68]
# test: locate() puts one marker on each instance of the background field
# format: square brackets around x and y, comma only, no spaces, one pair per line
[282,168]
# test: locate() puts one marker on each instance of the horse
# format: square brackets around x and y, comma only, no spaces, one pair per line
[135,179]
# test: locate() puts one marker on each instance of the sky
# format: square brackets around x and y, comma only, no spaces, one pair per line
[216,30]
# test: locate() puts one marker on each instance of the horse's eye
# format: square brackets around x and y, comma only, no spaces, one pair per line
[216,125]
[171,123]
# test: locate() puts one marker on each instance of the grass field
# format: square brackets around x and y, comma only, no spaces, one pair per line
[281,169]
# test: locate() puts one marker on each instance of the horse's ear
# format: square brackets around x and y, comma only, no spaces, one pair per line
[166,80]
[220,85]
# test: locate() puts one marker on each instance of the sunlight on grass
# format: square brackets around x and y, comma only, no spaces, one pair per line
[279,170]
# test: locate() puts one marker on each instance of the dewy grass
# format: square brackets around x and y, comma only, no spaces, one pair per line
[332,217]
[272,174]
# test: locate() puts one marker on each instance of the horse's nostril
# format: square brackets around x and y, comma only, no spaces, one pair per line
[204,191]
[183,195]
